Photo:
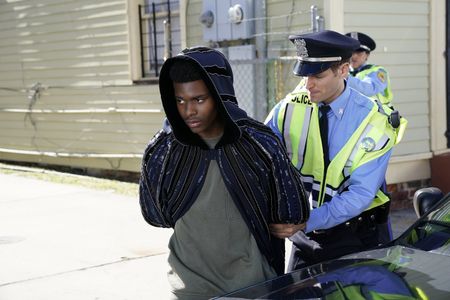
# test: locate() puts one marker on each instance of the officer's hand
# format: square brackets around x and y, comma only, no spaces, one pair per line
[285,230]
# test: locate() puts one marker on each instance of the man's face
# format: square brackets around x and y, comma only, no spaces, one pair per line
[198,109]
[328,85]
[358,59]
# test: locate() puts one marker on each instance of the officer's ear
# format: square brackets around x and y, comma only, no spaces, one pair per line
[344,70]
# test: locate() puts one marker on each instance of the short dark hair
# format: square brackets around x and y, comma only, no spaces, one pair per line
[337,64]
[184,70]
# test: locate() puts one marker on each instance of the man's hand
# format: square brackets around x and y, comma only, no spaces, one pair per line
[285,230]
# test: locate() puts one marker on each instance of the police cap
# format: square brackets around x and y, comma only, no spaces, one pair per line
[367,43]
[317,51]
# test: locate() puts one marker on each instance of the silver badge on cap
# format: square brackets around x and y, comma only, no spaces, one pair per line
[300,44]
[368,144]
[354,35]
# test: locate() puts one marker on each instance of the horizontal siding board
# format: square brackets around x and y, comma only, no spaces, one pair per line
[386,7]
[41,29]
[396,45]
[73,12]
[117,60]
[124,164]
[416,134]
[154,122]
[394,20]
[119,135]
[74,40]
[408,70]
[395,33]
[71,82]
[403,149]
[66,31]
[396,58]
[19,7]
[407,82]
[417,121]
[75,146]
[411,95]
[124,105]
[87,120]
[119,70]
[91,77]
[412,108]
[10,66]
[34,50]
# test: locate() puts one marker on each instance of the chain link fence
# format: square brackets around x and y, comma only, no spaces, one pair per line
[261,83]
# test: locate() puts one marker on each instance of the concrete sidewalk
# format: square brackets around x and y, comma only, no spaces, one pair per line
[67,242]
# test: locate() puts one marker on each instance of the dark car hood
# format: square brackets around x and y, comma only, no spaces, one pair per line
[394,270]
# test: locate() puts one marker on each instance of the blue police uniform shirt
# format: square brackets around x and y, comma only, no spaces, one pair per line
[346,114]
[370,85]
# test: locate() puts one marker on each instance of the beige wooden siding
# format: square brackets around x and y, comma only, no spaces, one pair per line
[401,31]
[88,112]
[194,32]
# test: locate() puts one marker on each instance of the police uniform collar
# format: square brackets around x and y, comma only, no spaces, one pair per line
[339,104]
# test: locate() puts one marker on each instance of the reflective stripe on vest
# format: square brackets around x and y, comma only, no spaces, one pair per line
[295,143]
[296,121]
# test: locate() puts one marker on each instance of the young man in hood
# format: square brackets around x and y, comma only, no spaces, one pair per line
[219,178]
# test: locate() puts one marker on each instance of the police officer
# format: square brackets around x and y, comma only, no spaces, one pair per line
[373,81]
[369,79]
[341,144]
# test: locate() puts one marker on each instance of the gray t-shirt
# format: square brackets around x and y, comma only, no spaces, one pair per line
[212,250]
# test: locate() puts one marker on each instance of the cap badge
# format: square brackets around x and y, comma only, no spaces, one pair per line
[368,144]
[354,35]
[300,44]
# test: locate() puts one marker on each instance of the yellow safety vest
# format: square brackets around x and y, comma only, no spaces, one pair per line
[384,99]
[298,121]
[386,96]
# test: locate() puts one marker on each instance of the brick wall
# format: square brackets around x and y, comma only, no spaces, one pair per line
[403,193]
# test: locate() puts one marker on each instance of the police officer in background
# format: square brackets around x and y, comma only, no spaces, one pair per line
[373,81]
[368,79]
[341,144]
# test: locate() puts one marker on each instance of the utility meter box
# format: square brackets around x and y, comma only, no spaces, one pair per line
[227,20]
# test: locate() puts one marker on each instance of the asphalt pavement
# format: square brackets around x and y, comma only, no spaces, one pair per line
[68,242]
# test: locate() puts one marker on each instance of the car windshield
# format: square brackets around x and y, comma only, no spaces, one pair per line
[431,232]
[411,267]
[394,272]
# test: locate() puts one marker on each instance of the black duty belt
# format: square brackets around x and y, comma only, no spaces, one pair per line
[377,215]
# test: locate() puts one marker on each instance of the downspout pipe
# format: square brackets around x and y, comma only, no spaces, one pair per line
[260,11]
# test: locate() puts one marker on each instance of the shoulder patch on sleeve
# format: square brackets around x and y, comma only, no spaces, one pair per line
[381,75]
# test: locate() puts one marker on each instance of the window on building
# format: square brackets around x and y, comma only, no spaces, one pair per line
[159,34]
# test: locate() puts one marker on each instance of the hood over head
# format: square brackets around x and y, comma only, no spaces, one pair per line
[217,75]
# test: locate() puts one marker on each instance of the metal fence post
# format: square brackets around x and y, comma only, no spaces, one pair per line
[167,40]
[314,25]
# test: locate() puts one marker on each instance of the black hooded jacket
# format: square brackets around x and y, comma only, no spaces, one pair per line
[264,185]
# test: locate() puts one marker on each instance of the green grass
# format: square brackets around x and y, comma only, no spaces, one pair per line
[119,187]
